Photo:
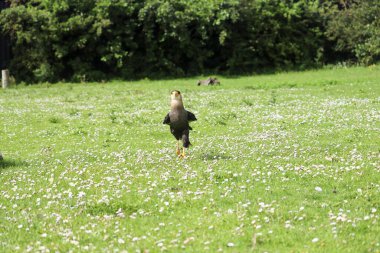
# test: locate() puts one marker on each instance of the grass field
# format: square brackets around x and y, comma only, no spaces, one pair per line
[279,163]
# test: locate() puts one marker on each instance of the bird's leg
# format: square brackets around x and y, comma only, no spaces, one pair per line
[183,152]
[178,151]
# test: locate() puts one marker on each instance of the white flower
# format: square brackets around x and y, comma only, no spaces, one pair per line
[230,244]
[373,210]
[120,213]
[315,240]
[318,189]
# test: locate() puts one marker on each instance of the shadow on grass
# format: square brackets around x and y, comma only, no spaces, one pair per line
[215,156]
[111,209]
[9,163]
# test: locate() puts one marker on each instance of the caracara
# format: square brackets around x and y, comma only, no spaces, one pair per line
[209,81]
[178,119]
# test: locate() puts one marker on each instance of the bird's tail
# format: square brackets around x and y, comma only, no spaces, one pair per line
[185,139]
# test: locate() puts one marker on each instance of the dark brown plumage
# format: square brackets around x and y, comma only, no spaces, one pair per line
[178,119]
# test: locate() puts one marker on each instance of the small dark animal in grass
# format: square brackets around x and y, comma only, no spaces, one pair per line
[209,81]
[178,119]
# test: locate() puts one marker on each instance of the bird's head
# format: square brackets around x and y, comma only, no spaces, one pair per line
[176,95]
[176,99]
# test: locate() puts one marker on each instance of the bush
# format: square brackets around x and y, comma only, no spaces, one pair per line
[86,40]
[355,30]
[273,34]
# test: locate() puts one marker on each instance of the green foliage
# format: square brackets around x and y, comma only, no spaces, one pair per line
[273,34]
[356,30]
[96,40]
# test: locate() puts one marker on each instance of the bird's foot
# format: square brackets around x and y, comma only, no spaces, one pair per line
[182,155]
[178,152]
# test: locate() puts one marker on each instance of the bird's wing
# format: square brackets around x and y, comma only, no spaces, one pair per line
[167,119]
[191,116]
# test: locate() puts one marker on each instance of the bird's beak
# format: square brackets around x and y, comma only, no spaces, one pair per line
[176,95]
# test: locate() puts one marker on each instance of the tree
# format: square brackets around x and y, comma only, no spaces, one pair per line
[355,30]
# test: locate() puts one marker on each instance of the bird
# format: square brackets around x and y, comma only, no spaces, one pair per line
[209,81]
[178,119]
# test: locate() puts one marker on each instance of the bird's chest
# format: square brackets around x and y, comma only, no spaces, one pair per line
[178,118]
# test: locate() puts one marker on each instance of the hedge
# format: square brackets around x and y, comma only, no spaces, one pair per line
[86,40]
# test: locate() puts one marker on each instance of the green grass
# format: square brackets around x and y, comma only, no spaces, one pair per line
[279,163]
